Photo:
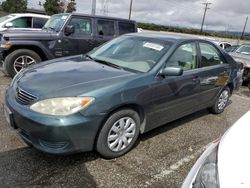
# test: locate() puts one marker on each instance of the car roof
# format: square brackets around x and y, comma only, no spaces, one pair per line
[165,36]
[97,16]
[31,14]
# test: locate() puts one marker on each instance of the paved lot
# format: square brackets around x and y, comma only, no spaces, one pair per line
[161,157]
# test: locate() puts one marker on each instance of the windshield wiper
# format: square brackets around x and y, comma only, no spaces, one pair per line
[88,56]
[108,63]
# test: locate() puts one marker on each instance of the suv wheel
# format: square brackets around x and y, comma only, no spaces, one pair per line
[118,134]
[221,101]
[20,59]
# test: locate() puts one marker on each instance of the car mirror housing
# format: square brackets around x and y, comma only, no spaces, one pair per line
[171,71]
[9,24]
[69,29]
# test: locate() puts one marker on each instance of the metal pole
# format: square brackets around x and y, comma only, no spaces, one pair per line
[93,7]
[242,34]
[204,15]
[130,9]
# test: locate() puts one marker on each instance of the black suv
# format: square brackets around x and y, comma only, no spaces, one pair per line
[63,35]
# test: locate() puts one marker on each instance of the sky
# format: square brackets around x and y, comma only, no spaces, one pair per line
[224,15]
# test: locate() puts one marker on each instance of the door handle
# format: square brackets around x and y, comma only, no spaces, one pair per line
[196,79]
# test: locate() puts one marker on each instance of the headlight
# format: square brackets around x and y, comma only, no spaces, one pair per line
[207,176]
[62,106]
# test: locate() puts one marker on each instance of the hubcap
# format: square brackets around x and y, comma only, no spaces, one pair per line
[23,62]
[223,100]
[121,134]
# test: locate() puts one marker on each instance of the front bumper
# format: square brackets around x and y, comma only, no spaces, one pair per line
[53,134]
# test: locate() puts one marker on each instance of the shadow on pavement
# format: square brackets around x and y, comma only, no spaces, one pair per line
[174,124]
[27,167]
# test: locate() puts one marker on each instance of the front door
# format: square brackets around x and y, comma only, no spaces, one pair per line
[82,40]
[176,96]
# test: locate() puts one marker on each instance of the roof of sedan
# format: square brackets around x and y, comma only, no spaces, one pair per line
[165,36]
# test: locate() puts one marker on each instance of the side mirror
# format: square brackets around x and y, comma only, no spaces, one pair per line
[69,29]
[171,71]
[8,25]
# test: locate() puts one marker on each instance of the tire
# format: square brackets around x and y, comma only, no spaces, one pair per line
[13,62]
[221,101]
[118,134]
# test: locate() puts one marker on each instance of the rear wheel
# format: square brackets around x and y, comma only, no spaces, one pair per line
[221,101]
[18,60]
[118,134]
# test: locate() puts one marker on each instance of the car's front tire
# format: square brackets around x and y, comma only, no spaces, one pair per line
[118,134]
[221,101]
[19,59]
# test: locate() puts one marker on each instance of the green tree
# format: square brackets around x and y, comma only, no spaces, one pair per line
[14,6]
[71,6]
[53,7]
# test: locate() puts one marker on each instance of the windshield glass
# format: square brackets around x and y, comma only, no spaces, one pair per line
[56,22]
[4,18]
[138,54]
[244,49]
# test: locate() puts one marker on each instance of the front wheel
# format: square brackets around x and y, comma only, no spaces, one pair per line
[18,60]
[221,101]
[118,133]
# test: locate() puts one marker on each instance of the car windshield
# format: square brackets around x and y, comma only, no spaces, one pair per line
[244,49]
[55,22]
[4,18]
[134,53]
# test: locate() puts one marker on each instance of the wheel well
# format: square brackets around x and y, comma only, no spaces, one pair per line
[134,107]
[33,48]
[231,87]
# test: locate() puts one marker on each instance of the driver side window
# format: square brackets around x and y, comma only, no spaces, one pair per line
[185,56]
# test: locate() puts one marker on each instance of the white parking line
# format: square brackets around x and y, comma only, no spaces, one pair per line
[174,167]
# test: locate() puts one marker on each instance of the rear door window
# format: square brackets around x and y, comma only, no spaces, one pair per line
[39,22]
[106,27]
[210,56]
[125,27]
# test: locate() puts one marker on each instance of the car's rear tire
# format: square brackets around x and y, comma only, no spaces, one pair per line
[19,59]
[118,134]
[221,101]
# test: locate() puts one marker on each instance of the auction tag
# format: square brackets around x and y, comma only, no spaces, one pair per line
[153,46]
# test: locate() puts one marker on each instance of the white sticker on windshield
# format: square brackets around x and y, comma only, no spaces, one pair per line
[153,46]
[64,17]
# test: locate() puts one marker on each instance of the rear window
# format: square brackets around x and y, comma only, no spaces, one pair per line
[125,27]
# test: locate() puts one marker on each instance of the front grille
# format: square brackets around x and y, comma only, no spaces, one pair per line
[24,97]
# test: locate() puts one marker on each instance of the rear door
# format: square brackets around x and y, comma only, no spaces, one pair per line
[82,40]
[105,30]
[126,27]
[213,74]
[176,96]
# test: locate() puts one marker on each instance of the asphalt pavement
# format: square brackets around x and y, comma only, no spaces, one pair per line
[161,158]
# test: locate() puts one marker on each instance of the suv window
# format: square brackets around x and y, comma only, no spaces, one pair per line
[185,56]
[209,55]
[82,25]
[126,28]
[24,22]
[106,27]
[39,22]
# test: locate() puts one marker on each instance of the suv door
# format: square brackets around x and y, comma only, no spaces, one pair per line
[105,30]
[176,96]
[214,72]
[82,40]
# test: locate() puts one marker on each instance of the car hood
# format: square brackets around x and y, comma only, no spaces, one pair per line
[70,77]
[28,34]
[234,155]
[245,59]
